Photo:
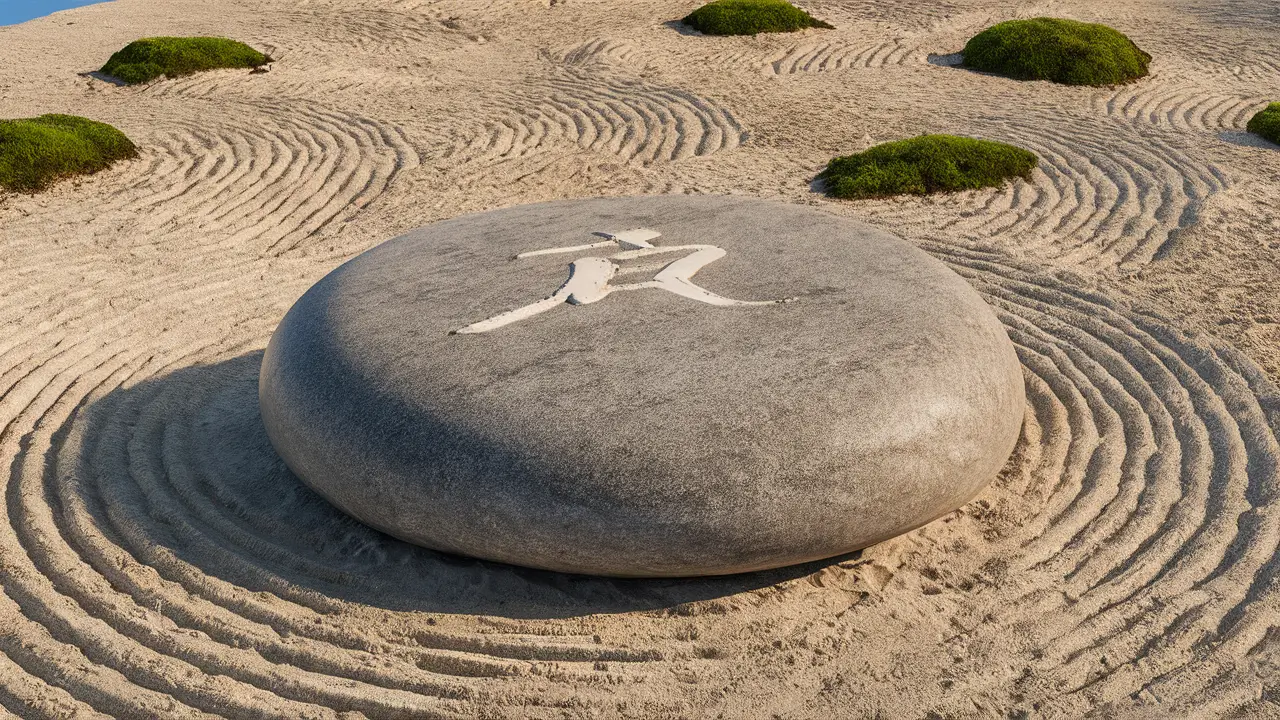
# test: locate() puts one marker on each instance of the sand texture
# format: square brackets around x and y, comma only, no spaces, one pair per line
[157,560]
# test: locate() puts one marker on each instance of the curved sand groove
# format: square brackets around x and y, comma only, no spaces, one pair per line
[1262,16]
[265,178]
[602,50]
[380,27]
[163,565]
[813,55]
[867,36]
[882,43]
[376,31]
[281,179]
[287,83]
[1159,535]
[159,559]
[832,56]
[1105,196]
[1186,103]
[1260,70]
[630,119]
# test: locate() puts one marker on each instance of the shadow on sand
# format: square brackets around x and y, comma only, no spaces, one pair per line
[96,75]
[1244,138]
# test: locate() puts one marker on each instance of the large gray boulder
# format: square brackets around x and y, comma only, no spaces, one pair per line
[716,385]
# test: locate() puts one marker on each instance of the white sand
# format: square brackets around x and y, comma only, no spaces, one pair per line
[156,561]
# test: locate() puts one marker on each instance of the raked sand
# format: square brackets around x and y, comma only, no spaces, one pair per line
[157,560]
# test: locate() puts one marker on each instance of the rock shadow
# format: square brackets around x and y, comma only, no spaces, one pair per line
[951,60]
[686,30]
[178,472]
[96,75]
[1244,138]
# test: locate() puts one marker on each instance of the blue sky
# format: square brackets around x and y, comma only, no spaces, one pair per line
[16,11]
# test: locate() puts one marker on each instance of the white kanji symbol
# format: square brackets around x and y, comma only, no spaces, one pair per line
[589,276]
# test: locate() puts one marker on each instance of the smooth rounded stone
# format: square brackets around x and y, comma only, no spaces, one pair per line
[659,412]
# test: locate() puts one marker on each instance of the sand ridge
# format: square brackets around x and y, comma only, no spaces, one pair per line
[157,560]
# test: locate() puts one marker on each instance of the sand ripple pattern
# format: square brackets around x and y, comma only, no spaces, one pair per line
[376,31]
[161,562]
[1105,196]
[602,50]
[630,119]
[833,56]
[1195,104]
[158,560]
[1259,70]
[1143,560]
[813,56]
[265,181]
[277,181]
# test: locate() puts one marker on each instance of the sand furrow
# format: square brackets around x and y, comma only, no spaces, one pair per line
[1192,97]
[1151,564]
[601,50]
[822,56]
[233,663]
[266,185]
[1105,197]
[630,119]
[34,699]
[35,530]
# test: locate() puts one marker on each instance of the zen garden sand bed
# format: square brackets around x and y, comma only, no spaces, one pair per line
[157,558]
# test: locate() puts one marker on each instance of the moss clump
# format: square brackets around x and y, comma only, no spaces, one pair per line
[147,59]
[926,164]
[1064,51]
[35,152]
[1267,123]
[749,17]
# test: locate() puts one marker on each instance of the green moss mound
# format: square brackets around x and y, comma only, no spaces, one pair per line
[36,152]
[749,17]
[926,164]
[1064,51]
[1267,123]
[147,59]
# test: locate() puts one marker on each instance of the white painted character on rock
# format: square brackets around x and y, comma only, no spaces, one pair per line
[589,276]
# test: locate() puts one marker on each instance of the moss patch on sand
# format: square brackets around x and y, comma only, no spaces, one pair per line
[1063,51]
[147,59]
[1267,123]
[926,164]
[750,17]
[36,152]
